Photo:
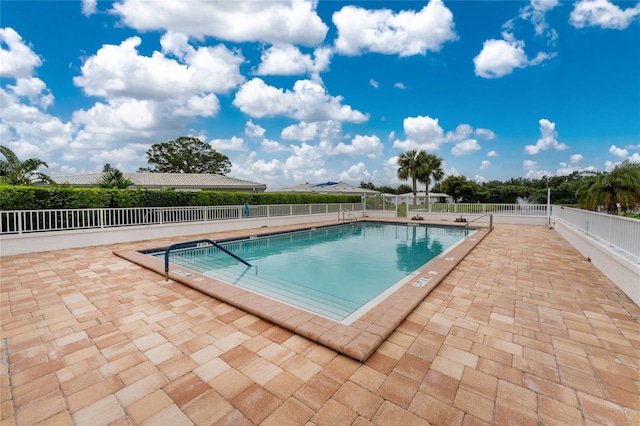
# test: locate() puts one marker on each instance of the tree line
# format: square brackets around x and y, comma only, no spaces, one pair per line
[615,191]
[612,191]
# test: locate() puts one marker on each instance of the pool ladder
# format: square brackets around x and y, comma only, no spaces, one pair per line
[347,213]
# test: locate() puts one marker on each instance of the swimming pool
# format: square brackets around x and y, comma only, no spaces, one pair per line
[338,272]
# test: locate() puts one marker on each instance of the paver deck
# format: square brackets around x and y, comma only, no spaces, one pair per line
[523,331]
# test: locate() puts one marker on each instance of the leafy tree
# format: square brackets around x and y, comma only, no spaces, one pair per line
[607,190]
[367,185]
[460,188]
[16,172]
[403,189]
[113,178]
[186,155]
[429,166]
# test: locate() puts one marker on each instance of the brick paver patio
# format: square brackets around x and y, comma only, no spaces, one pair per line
[523,331]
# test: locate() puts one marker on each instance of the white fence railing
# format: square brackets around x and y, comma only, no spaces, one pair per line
[385,203]
[28,221]
[617,231]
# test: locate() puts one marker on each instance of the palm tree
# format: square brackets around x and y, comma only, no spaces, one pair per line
[408,166]
[114,178]
[429,166]
[16,172]
[607,190]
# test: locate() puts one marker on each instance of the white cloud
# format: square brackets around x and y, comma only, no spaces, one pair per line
[462,132]
[400,86]
[547,140]
[405,33]
[423,133]
[466,147]
[89,7]
[307,102]
[360,145]
[492,154]
[602,13]
[485,164]
[373,83]
[479,179]
[500,57]
[118,155]
[485,133]
[274,22]
[635,157]
[533,171]
[272,146]
[17,60]
[356,174]
[289,60]
[233,144]
[618,152]
[326,130]
[119,71]
[254,131]
[576,158]
[535,13]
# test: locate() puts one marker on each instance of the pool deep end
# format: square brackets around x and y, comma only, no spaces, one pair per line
[358,340]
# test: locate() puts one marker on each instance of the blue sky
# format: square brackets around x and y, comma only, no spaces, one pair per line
[311,91]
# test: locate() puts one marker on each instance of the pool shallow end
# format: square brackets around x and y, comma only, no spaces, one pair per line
[358,340]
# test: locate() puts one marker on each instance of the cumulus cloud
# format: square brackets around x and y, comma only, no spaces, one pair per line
[356,173]
[485,164]
[536,13]
[326,130]
[273,22]
[479,179]
[423,133]
[272,146]
[17,60]
[405,33]
[485,133]
[500,57]
[492,154]
[89,7]
[533,171]
[254,131]
[576,158]
[548,139]
[232,144]
[360,145]
[466,147]
[308,101]
[289,60]
[373,83]
[120,71]
[618,152]
[602,13]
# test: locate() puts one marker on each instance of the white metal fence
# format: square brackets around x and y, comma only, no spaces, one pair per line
[28,221]
[617,231]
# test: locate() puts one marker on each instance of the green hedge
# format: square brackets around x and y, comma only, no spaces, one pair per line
[39,198]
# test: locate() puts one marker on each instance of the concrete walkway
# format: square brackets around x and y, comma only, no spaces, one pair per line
[523,331]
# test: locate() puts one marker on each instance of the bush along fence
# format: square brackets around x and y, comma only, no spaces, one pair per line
[45,198]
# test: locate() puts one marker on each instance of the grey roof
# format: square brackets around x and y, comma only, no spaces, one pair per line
[327,188]
[189,181]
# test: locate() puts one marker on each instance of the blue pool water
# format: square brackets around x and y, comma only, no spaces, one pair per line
[331,271]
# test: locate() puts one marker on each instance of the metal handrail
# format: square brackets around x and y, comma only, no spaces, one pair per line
[187,244]
[466,226]
[348,212]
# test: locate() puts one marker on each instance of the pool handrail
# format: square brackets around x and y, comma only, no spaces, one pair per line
[186,244]
[466,226]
